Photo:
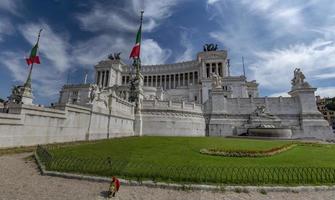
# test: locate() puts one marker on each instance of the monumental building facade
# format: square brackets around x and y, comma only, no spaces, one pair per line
[193,98]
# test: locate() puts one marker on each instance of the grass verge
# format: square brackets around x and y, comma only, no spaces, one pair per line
[177,159]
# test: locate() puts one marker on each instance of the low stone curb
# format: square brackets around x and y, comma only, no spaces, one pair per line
[185,186]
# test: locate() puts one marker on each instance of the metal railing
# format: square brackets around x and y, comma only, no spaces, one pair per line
[188,174]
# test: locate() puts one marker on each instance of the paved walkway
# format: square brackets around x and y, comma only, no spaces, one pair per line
[20,179]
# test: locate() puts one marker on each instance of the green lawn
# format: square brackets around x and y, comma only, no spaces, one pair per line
[152,157]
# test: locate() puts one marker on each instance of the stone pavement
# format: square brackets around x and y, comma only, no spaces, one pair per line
[20,179]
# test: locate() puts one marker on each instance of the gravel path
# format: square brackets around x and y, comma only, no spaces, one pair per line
[20,179]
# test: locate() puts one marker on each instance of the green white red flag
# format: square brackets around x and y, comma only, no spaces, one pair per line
[135,52]
[33,58]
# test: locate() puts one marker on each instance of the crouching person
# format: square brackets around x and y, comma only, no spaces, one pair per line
[113,187]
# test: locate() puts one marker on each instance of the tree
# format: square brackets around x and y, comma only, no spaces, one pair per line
[1,100]
[330,103]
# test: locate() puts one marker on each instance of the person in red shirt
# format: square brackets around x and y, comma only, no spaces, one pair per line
[114,187]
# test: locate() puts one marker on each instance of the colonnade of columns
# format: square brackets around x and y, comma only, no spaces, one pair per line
[217,68]
[102,78]
[168,81]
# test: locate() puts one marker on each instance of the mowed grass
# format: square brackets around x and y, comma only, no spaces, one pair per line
[178,159]
[184,151]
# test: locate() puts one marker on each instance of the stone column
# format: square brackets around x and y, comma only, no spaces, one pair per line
[156,81]
[101,78]
[161,81]
[96,77]
[164,81]
[210,69]
[193,75]
[108,78]
[187,80]
[104,80]
[179,80]
[174,82]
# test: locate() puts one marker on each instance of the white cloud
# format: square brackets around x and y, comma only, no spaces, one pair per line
[46,82]
[10,5]
[157,10]
[325,76]
[189,48]
[16,64]
[260,5]
[274,69]
[152,53]
[6,28]
[48,77]
[282,17]
[278,94]
[211,2]
[92,51]
[326,91]
[118,28]
[100,17]
[52,46]
[57,56]
[321,91]
[278,36]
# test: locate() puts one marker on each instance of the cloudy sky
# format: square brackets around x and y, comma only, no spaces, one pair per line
[274,36]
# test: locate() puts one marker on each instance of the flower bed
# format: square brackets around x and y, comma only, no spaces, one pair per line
[247,153]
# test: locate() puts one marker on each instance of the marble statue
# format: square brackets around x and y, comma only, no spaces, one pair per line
[260,110]
[210,47]
[93,93]
[216,80]
[298,80]
[16,96]
[115,56]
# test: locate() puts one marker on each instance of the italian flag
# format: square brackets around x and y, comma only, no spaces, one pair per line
[135,53]
[33,58]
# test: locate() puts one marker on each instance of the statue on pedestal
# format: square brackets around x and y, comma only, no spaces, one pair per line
[115,56]
[210,47]
[298,80]
[216,81]
[93,93]
[16,95]
[260,112]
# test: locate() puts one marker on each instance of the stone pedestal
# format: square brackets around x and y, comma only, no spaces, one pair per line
[306,99]
[219,102]
[27,96]
[138,125]
[311,120]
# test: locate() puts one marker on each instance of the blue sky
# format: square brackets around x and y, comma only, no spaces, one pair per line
[274,36]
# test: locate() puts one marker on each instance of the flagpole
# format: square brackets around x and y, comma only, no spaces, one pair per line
[28,82]
[137,61]
[138,79]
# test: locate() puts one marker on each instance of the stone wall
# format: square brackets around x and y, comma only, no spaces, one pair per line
[167,118]
[229,116]
[26,125]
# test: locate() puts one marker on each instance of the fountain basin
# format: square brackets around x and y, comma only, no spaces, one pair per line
[285,133]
